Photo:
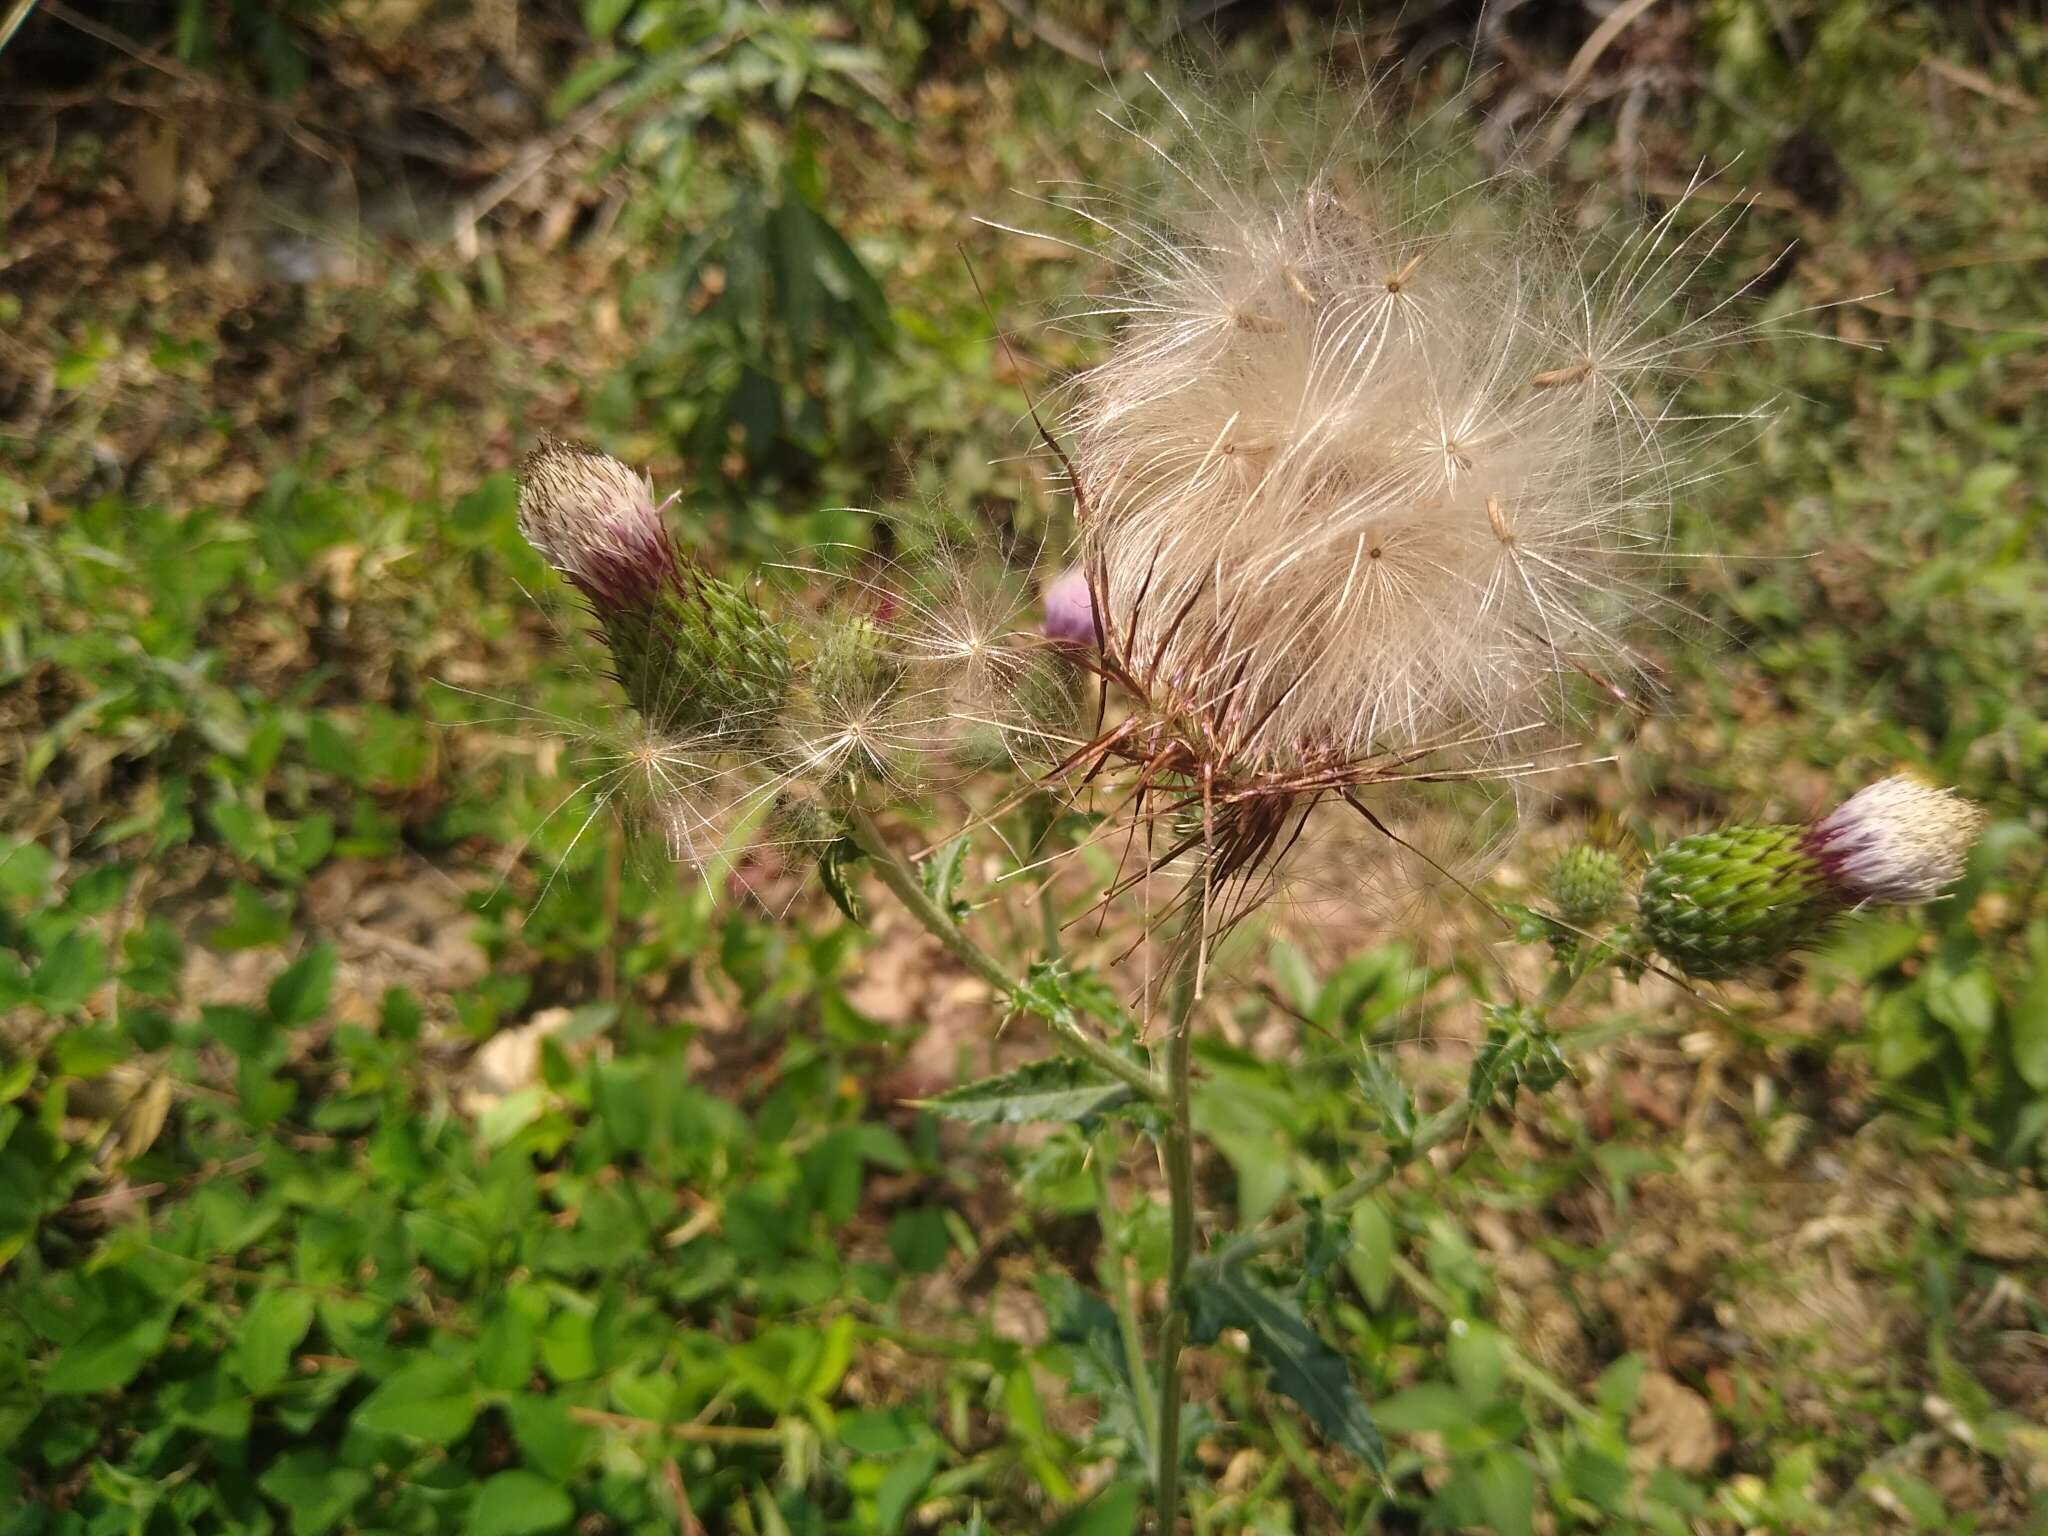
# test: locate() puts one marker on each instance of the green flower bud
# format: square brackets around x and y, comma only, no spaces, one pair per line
[694,655]
[853,667]
[1586,885]
[1718,902]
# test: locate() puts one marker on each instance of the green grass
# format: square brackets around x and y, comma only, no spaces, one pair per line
[292,835]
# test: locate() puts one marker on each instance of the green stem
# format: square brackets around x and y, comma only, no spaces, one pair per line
[1042,819]
[901,879]
[1177,1152]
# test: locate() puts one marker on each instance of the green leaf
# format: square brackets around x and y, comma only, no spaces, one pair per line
[433,1401]
[834,867]
[510,1343]
[69,973]
[1059,1089]
[1507,1492]
[252,922]
[900,1488]
[1112,1512]
[271,1329]
[25,870]
[316,1493]
[299,994]
[1428,1407]
[519,1503]
[918,1239]
[1370,1258]
[940,875]
[1302,1365]
[112,1351]
[551,1442]
[1965,1000]
[1477,1358]
[2030,1014]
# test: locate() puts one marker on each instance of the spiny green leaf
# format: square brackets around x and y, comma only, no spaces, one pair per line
[834,865]
[1302,1365]
[1058,1089]
[941,876]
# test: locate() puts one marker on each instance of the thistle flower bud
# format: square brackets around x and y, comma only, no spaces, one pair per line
[1586,885]
[695,655]
[1896,841]
[1717,902]
[595,522]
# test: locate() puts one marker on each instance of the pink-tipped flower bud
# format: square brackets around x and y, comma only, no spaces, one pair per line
[1070,609]
[595,521]
[1895,842]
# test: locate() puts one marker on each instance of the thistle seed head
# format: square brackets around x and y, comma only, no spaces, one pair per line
[1897,841]
[1368,465]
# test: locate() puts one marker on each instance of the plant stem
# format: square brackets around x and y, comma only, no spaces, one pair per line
[903,882]
[1177,1152]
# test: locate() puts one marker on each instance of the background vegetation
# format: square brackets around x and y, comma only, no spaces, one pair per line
[380,1151]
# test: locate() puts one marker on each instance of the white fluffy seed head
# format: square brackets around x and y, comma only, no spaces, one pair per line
[1897,841]
[1368,466]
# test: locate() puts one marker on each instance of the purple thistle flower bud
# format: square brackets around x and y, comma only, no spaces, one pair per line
[1894,842]
[595,521]
[1070,609]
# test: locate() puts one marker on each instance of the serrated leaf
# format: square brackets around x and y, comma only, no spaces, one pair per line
[834,866]
[1085,1324]
[1301,1364]
[1518,1053]
[1387,1096]
[941,877]
[1061,1090]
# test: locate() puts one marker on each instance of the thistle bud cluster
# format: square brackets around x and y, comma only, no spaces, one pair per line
[741,710]
[1720,902]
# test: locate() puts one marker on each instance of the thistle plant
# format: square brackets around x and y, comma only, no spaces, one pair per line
[1371,490]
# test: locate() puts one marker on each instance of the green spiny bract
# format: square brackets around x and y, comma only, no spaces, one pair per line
[702,660]
[1718,902]
[1586,885]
